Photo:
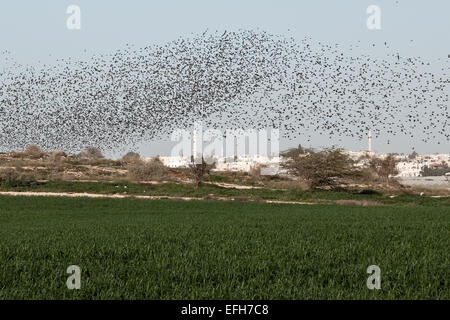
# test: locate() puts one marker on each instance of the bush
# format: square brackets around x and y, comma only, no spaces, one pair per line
[153,170]
[33,150]
[56,161]
[13,178]
[255,173]
[199,171]
[131,156]
[92,153]
[384,168]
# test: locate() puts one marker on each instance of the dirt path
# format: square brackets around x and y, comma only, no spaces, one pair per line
[123,196]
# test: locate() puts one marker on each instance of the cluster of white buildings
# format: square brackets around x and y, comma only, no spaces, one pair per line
[412,167]
[240,163]
[406,166]
[409,169]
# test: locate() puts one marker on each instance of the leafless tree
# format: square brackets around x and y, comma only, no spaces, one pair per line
[199,171]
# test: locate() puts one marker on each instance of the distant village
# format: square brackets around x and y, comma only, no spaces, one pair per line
[408,165]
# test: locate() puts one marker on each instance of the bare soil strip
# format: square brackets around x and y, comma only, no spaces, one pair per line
[123,196]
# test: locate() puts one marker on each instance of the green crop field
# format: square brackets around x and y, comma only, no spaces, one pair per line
[142,249]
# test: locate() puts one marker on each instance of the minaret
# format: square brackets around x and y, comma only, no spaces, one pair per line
[194,143]
[370,141]
[197,138]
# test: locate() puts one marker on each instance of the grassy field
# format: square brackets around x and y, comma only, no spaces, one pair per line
[142,249]
[207,190]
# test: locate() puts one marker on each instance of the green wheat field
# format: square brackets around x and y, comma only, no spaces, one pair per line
[166,249]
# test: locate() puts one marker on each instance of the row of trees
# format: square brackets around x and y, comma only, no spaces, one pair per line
[440,170]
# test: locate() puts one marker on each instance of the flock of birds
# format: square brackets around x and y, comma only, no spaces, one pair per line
[242,79]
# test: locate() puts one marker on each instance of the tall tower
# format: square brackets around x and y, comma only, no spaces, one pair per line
[194,143]
[370,140]
[197,142]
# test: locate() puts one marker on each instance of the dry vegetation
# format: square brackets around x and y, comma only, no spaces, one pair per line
[308,170]
[57,165]
[153,170]
[199,171]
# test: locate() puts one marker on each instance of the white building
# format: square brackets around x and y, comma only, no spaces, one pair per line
[175,161]
[409,169]
[246,163]
[241,163]
[406,167]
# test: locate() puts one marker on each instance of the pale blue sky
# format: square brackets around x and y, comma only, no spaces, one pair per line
[36,30]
